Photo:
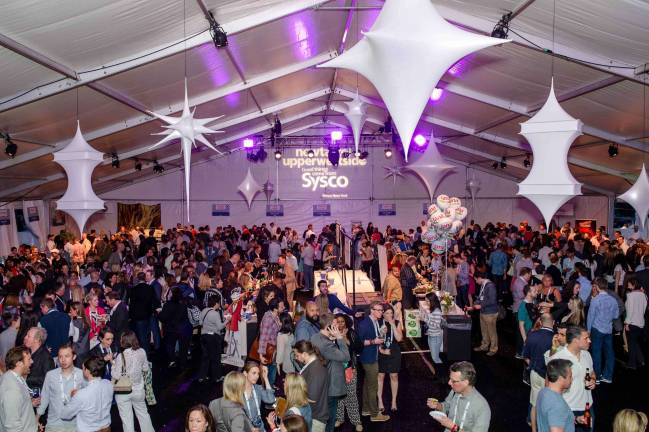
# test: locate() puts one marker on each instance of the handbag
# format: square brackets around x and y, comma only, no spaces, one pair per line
[349,375]
[194,313]
[123,384]
[254,351]
[148,386]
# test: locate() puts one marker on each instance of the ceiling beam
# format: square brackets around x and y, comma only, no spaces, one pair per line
[37,57]
[139,59]
[206,97]
[524,146]
[222,125]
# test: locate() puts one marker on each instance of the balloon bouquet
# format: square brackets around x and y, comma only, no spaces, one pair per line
[444,221]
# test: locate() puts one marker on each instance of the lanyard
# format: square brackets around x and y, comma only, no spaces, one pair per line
[466,410]
[22,381]
[64,397]
[376,327]
[254,396]
[481,295]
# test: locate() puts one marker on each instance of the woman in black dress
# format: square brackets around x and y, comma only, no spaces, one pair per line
[390,352]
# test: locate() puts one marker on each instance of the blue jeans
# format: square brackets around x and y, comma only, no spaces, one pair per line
[143,332]
[603,347]
[272,373]
[332,402]
[308,277]
[435,345]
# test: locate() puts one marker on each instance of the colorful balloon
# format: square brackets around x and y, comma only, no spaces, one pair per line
[443,202]
[456,226]
[438,247]
[455,202]
[444,224]
[433,209]
[461,213]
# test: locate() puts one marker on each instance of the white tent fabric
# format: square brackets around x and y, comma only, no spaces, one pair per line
[108,63]
[8,232]
[39,228]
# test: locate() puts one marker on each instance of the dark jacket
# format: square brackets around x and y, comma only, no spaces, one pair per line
[487,298]
[408,283]
[229,416]
[317,381]
[142,302]
[98,351]
[57,325]
[355,347]
[643,277]
[119,320]
[42,364]
[174,319]
[367,331]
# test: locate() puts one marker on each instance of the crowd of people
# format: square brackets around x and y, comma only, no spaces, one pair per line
[82,317]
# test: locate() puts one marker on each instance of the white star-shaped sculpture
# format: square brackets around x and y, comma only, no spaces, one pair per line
[79,159]
[430,168]
[405,53]
[189,130]
[551,131]
[249,188]
[356,115]
[638,196]
[394,172]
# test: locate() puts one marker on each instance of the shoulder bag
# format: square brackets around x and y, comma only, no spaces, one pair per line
[123,384]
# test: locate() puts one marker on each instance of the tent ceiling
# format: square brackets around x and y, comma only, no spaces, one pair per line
[268,70]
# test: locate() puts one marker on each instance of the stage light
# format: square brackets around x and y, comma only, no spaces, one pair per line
[387,126]
[333,156]
[11,148]
[261,154]
[526,162]
[388,153]
[277,127]
[248,143]
[346,154]
[336,135]
[278,155]
[503,163]
[310,153]
[613,150]
[157,168]
[115,162]
[437,94]
[420,140]
[501,30]
[219,36]
[364,155]
[494,165]
[138,165]
[357,154]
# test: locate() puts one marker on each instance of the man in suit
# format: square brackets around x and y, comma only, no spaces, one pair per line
[104,350]
[142,303]
[118,315]
[42,360]
[643,275]
[57,325]
[16,404]
[487,303]
[317,380]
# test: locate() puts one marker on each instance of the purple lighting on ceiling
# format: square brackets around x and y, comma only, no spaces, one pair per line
[437,94]
[248,143]
[336,135]
[420,140]
[301,33]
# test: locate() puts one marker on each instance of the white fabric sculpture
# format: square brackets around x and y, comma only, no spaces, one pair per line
[473,186]
[356,115]
[430,168]
[551,131]
[79,159]
[268,188]
[638,196]
[405,53]
[249,188]
[394,172]
[189,130]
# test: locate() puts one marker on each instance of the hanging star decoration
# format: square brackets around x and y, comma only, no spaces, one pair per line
[430,168]
[551,131]
[394,172]
[356,115]
[249,188]
[638,196]
[404,55]
[79,159]
[189,130]
[269,189]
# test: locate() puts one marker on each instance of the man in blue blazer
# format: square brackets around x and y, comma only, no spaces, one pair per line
[57,325]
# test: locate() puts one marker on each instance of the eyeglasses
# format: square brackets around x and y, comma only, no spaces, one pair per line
[378,310]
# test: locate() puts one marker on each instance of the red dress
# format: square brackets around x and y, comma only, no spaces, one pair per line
[95,324]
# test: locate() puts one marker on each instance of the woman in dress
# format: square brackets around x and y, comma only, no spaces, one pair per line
[199,419]
[390,352]
[350,401]
[96,316]
[132,362]
[255,395]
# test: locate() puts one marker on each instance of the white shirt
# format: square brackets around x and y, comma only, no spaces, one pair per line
[56,393]
[636,304]
[136,363]
[577,396]
[91,406]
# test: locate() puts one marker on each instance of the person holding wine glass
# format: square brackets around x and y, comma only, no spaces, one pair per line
[390,352]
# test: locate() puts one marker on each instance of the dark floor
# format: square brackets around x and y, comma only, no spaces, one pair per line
[499,380]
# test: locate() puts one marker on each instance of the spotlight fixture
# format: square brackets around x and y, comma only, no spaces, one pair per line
[526,162]
[333,155]
[277,127]
[138,165]
[364,154]
[261,154]
[387,126]
[310,153]
[613,150]
[336,135]
[157,168]
[494,165]
[420,140]
[219,36]
[278,154]
[11,148]
[248,143]
[115,162]
[501,30]
[357,154]
[503,163]
[346,154]
[388,152]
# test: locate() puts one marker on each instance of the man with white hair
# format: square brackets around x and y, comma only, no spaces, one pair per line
[42,360]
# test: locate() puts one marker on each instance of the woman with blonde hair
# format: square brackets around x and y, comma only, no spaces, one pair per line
[576,316]
[629,420]
[228,410]
[297,399]
[204,282]
[96,316]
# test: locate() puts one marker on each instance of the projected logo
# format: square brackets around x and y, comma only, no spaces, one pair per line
[317,173]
